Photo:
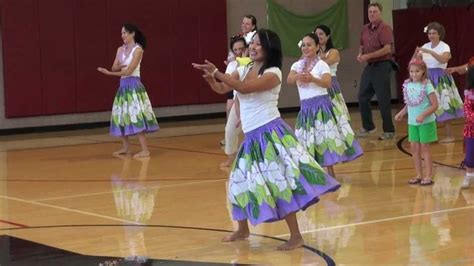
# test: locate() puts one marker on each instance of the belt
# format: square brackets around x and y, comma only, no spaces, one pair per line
[377,62]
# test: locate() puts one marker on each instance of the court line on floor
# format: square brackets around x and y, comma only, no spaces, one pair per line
[124,190]
[108,180]
[383,220]
[184,179]
[402,149]
[69,210]
[13,223]
[324,256]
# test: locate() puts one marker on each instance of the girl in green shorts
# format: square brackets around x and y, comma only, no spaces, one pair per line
[420,104]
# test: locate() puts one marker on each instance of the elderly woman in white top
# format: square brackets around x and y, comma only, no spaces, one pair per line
[436,55]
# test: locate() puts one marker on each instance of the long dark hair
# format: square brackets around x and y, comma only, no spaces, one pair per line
[254,20]
[236,39]
[271,45]
[139,36]
[326,31]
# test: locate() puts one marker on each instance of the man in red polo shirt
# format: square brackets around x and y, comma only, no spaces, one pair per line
[376,42]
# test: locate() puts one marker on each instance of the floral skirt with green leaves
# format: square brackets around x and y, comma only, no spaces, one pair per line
[325,132]
[337,99]
[450,105]
[132,112]
[273,176]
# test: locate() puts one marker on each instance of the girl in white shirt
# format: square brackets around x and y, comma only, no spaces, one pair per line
[436,55]
[273,176]
[320,127]
[232,127]
[330,55]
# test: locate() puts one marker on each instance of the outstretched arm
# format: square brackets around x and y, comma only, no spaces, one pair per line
[219,87]
[462,69]
[443,58]
[266,82]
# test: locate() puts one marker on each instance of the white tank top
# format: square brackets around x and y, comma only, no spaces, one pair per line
[333,67]
[126,60]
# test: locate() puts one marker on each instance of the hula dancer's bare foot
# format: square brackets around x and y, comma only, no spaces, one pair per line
[292,243]
[142,154]
[237,235]
[142,159]
[226,164]
[446,140]
[123,151]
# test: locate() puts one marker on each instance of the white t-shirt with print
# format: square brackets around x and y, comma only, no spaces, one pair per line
[312,89]
[429,60]
[258,108]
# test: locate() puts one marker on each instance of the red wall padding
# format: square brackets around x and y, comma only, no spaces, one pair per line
[209,40]
[408,27]
[52,49]
[21,58]
[94,92]
[58,64]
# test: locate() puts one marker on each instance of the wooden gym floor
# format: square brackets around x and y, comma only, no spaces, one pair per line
[64,200]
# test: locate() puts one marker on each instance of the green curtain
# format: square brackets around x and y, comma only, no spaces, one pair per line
[291,27]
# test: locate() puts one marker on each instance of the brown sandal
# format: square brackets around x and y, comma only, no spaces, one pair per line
[414,181]
[426,182]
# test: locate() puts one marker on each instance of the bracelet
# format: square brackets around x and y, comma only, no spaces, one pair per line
[214,72]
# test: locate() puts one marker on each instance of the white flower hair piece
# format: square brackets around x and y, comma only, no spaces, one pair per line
[425,29]
[300,43]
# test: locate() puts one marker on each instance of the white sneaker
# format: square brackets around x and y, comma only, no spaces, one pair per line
[467,181]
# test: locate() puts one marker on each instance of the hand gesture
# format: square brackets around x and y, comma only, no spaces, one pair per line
[208,77]
[207,66]
[103,70]
[399,117]
[420,119]
[305,77]
[362,58]
[450,70]
[421,50]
